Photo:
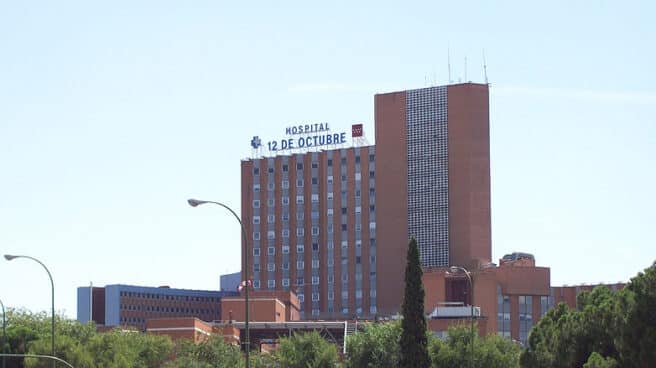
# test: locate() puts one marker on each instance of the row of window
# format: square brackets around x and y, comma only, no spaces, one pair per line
[187,298]
[314,165]
[271,234]
[164,309]
[301,199]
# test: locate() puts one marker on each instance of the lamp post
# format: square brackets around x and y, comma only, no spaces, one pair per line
[455,269]
[10,257]
[4,333]
[247,342]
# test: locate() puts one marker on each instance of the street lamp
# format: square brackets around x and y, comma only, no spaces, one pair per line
[10,257]
[4,333]
[456,269]
[247,342]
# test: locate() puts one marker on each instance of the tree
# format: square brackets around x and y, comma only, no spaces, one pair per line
[376,346]
[213,352]
[306,350]
[413,342]
[597,361]
[637,342]
[492,351]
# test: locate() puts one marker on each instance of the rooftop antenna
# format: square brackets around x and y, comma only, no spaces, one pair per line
[448,62]
[484,67]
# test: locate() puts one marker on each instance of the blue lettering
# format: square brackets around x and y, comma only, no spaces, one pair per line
[329,139]
[308,141]
[336,138]
[307,129]
[301,142]
[288,131]
[322,140]
[343,137]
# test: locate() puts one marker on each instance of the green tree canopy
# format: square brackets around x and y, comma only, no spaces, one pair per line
[413,342]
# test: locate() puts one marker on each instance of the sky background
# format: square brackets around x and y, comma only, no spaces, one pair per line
[112,114]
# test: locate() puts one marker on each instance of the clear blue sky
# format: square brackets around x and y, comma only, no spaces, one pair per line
[112,114]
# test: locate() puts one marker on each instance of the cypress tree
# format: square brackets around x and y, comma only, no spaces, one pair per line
[414,351]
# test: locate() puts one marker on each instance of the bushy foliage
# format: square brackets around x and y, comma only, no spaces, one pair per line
[492,351]
[607,328]
[306,350]
[376,346]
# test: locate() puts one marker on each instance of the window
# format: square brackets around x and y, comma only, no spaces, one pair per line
[315,297]
[271,219]
[372,174]
[357,159]
[271,186]
[300,265]
[371,158]
[331,279]
[256,252]
[330,228]
[285,167]
[343,161]
[256,267]
[331,295]
[300,231]
[299,166]
[343,227]
[299,183]
[300,215]
[358,209]
[315,263]
[315,215]
[256,235]
[372,208]
[372,192]
[271,251]
[315,312]
[271,234]
[315,198]
[271,267]
[256,171]
[344,244]
[330,195]
[285,282]
[285,201]
[300,281]
[271,202]
[270,170]
[271,284]
[330,162]
[315,280]
[315,230]
[256,220]
[285,216]
[358,227]
[285,233]
[344,294]
[256,284]
[358,176]
[300,199]
[330,212]
[285,266]
[256,203]
[285,184]
[331,262]
[256,188]
[330,179]
[300,248]
[315,247]
[315,165]
[330,244]
[301,297]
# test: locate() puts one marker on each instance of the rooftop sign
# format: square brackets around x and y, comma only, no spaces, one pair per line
[302,136]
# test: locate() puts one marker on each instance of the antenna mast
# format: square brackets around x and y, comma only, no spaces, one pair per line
[484,67]
[448,62]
